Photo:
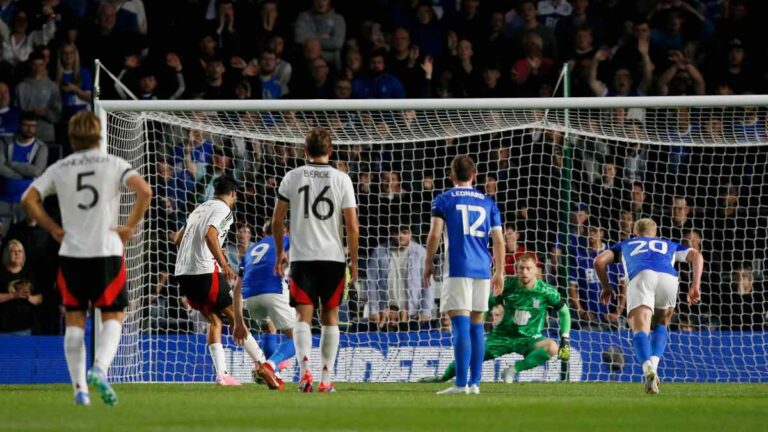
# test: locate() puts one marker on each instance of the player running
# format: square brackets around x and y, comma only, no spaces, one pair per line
[526,300]
[652,290]
[470,219]
[265,295]
[318,195]
[91,264]
[203,272]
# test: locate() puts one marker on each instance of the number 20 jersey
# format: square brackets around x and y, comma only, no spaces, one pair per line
[649,253]
[469,217]
[88,186]
[317,194]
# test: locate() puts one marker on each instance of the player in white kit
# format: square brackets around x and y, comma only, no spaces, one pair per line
[203,272]
[317,195]
[92,267]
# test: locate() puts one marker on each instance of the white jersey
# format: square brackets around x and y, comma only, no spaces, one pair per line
[194,257]
[88,186]
[317,193]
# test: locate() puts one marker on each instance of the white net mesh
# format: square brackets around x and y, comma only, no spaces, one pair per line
[566,187]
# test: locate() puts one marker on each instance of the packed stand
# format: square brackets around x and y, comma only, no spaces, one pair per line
[226,49]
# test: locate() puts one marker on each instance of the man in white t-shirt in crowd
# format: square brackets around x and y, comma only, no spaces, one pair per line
[203,272]
[92,268]
[318,195]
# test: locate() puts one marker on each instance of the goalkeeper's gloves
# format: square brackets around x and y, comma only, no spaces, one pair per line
[564,353]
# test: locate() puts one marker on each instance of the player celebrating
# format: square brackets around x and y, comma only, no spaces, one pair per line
[318,196]
[470,219]
[526,300]
[92,268]
[203,272]
[266,297]
[652,290]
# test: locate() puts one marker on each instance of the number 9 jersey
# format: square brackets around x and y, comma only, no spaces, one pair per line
[649,253]
[317,194]
[88,186]
[469,217]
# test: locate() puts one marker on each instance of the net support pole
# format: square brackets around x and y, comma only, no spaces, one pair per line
[102,114]
[566,189]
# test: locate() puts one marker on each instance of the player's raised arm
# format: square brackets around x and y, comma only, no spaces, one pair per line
[140,187]
[696,259]
[278,226]
[433,242]
[601,268]
[353,240]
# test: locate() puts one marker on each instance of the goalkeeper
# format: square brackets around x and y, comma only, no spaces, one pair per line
[525,300]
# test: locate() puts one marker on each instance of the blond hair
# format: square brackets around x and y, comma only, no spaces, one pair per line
[7,252]
[645,226]
[84,130]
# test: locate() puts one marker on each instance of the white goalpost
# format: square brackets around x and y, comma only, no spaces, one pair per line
[569,174]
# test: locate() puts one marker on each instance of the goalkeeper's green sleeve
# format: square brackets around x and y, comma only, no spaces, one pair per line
[564,315]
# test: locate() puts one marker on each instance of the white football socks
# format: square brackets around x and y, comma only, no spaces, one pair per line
[302,341]
[109,340]
[74,351]
[329,346]
[655,362]
[253,349]
[219,358]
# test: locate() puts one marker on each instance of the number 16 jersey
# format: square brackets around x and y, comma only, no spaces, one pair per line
[88,186]
[317,194]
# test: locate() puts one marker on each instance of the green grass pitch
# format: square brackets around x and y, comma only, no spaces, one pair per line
[392,407]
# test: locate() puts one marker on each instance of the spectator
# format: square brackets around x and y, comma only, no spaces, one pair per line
[145,83]
[491,86]
[640,206]
[626,224]
[531,23]
[74,80]
[623,83]
[228,37]
[216,87]
[22,158]
[342,89]
[378,84]
[514,249]
[465,76]
[283,69]
[320,83]
[193,155]
[636,159]
[39,96]
[608,196]
[468,23]
[427,33]
[271,88]
[270,28]
[18,44]
[679,221]
[236,249]
[10,116]
[567,247]
[581,18]
[327,26]
[581,60]
[404,64]
[584,286]
[531,71]
[18,293]
[743,307]
[353,64]
[734,74]
[552,12]
[395,289]
[681,78]
[107,41]
[221,165]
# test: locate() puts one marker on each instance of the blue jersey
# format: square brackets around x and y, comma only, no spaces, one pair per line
[469,217]
[256,268]
[583,275]
[649,253]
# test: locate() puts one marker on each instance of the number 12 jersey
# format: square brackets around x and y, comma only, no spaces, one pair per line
[317,194]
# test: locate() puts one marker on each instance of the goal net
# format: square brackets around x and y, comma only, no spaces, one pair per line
[570,177]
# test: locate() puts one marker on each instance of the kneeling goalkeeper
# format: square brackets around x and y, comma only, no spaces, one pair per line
[525,300]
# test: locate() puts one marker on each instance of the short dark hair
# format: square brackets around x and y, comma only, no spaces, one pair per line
[28,116]
[318,142]
[463,168]
[224,185]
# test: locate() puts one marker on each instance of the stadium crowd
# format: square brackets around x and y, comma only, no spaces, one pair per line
[265,49]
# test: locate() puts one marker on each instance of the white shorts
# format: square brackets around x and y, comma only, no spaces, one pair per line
[652,289]
[274,307]
[465,294]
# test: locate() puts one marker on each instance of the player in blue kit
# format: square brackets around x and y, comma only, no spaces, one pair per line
[467,219]
[652,290]
[265,295]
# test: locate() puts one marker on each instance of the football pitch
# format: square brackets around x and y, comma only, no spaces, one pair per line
[392,407]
